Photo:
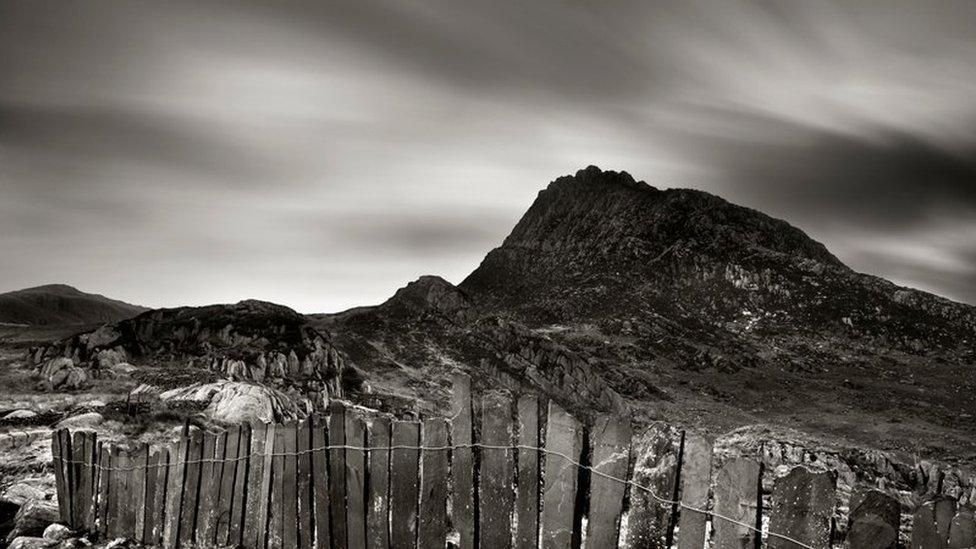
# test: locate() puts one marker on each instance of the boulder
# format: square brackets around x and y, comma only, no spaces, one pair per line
[61,373]
[87,420]
[27,542]
[33,517]
[27,489]
[237,402]
[21,414]
[56,533]
[108,358]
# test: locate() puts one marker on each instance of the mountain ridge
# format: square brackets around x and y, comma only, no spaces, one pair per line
[61,304]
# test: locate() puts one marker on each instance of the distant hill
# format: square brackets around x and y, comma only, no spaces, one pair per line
[59,304]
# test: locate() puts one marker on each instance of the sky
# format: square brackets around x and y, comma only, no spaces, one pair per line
[323,154]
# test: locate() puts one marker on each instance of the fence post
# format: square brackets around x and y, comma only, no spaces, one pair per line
[355,429]
[404,484]
[527,486]
[656,467]
[262,440]
[378,506]
[337,474]
[610,438]
[320,470]
[462,502]
[495,491]
[737,487]
[305,483]
[432,531]
[803,504]
[962,530]
[696,476]
[564,443]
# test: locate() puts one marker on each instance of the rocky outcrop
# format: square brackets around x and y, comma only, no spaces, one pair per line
[247,341]
[62,374]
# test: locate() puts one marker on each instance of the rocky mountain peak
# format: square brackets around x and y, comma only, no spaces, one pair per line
[428,293]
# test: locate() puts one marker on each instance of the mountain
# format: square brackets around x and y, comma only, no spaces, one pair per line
[59,304]
[681,306]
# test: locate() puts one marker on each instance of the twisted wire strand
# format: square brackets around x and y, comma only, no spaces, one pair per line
[662,501]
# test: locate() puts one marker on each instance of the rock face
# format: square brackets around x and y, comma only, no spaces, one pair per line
[250,340]
[61,304]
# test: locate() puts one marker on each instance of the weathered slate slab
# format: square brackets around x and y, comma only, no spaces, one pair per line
[378,502]
[275,522]
[78,500]
[462,489]
[306,534]
[527,486]
[104,481]
[337,474]
[236,529]
[159,500]
[655,467]
[962,530]
[188,516]
[262,440]
[289,494]
[696,474]
[174,491]
[139,464]
[404,485]
[124,516]
[931,523]
[610,439]
[737,492]
[874,520]
[59,461]
[802,505]
[152,486]
[89,492]
[320,474]
[495,487]
[209,490]
[564,443]
[434,463]
[230,441]
[355,482]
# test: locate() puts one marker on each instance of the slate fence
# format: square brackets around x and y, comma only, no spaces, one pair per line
[513,475]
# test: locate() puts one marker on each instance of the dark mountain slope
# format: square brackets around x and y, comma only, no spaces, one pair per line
[687,307]
[58,304]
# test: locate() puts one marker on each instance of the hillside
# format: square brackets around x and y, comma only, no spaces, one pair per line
[59,304]
[685,307]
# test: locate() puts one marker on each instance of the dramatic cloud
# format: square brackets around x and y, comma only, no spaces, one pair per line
[321,154]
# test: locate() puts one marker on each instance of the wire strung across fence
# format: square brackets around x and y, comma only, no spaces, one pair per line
[287,484]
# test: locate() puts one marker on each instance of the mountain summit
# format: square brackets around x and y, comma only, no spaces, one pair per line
[60,304]
[680,304]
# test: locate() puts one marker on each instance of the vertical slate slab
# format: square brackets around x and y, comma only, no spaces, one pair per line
[610,439]
[139,464]
[355,482]
[89,492]
[655,466]
[527,485]
[404,485]
[462,490]
[289,494]
[802,506]
[737,490]
[962,530]
[230,441]
[495,490]
[209,490]
[275,522]
[257,495]
[59,460]
[160,500]
[306,534]
[435,463]
[188,516]
[152,485]
[874,520]
[174,491]
[564,439]
[696,475]
[121,524]
[240,482]
[930,526]
[378,503]
[104,481]
[320,474]
[77,476]
[337,475]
